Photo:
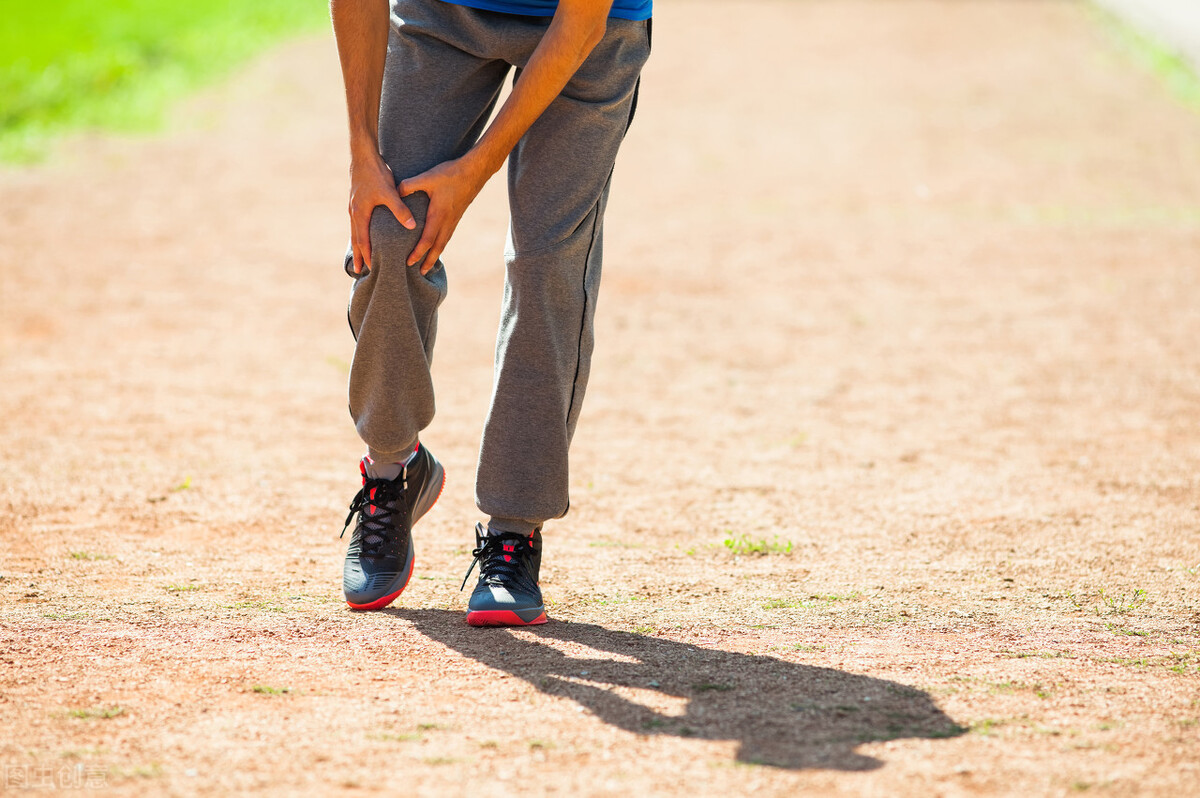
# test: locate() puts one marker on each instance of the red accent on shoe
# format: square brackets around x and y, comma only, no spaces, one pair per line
[441,490]
[501,618]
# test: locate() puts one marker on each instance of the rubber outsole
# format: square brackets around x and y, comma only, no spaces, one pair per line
[380,603]
[501,618]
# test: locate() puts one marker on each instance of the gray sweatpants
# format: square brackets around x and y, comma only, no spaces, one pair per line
[445,68]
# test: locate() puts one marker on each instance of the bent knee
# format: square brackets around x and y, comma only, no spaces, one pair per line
[389,238]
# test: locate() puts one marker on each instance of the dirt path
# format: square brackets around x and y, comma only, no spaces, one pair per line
[912,287]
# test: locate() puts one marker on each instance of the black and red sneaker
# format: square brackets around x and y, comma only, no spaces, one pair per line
[379,561]
[507,593]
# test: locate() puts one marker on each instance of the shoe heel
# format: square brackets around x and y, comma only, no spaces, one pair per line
[430,497]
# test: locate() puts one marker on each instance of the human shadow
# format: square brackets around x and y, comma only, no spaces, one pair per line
[781,713]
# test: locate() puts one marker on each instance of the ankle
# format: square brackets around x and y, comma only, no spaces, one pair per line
[388,465]
[516,526]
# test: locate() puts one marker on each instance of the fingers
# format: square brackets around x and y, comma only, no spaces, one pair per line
[434,237]
[360,227]
[360,240]
[401,212]
[435,252]
[392,201]
[440,219]
[412,185]
[428,237]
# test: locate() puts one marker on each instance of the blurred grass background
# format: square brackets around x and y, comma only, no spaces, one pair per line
[117,64]
[1150,53]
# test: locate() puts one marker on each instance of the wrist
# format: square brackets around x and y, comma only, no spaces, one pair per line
[481,162]
[363,149]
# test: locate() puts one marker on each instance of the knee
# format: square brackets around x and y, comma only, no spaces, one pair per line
[558,276]
[391,240]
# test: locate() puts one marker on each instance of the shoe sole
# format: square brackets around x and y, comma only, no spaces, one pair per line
[504,618]
[418,511]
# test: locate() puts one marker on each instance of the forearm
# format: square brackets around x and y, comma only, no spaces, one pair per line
[361,30]
[577,27]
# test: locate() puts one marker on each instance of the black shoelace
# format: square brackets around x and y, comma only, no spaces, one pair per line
[498,566]
[387,497]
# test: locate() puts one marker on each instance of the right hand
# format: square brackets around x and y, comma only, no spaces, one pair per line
[372,185]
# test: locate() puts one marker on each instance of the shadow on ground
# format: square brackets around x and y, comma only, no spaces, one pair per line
[781,713]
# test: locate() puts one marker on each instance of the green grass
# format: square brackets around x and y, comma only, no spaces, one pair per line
[744,544]
[784,604]
[99,713]
[392,737]
[813,600]
[1121,605]
[1172,69]
[65,616]
[806,647]
[90,555]
[266,689]
[117,64]
[707,687]
[1110,603]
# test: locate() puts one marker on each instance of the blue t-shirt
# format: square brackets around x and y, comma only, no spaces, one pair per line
[622,9]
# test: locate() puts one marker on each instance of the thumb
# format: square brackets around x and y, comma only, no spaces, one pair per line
[413,184]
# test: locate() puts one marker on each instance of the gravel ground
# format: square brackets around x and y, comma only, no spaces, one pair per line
[888,480]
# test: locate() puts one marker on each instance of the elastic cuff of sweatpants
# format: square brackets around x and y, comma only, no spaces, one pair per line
[398,456]
[517,526]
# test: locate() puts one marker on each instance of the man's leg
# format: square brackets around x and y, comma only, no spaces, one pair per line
[437,95]
[436,101]
[558,184]
[558,178]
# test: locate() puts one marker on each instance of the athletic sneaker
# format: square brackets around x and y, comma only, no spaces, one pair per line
[507,593]
[379,562]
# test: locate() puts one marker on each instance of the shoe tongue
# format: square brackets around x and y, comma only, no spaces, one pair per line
[373,533]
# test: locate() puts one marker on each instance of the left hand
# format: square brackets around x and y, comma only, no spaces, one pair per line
[452,186]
